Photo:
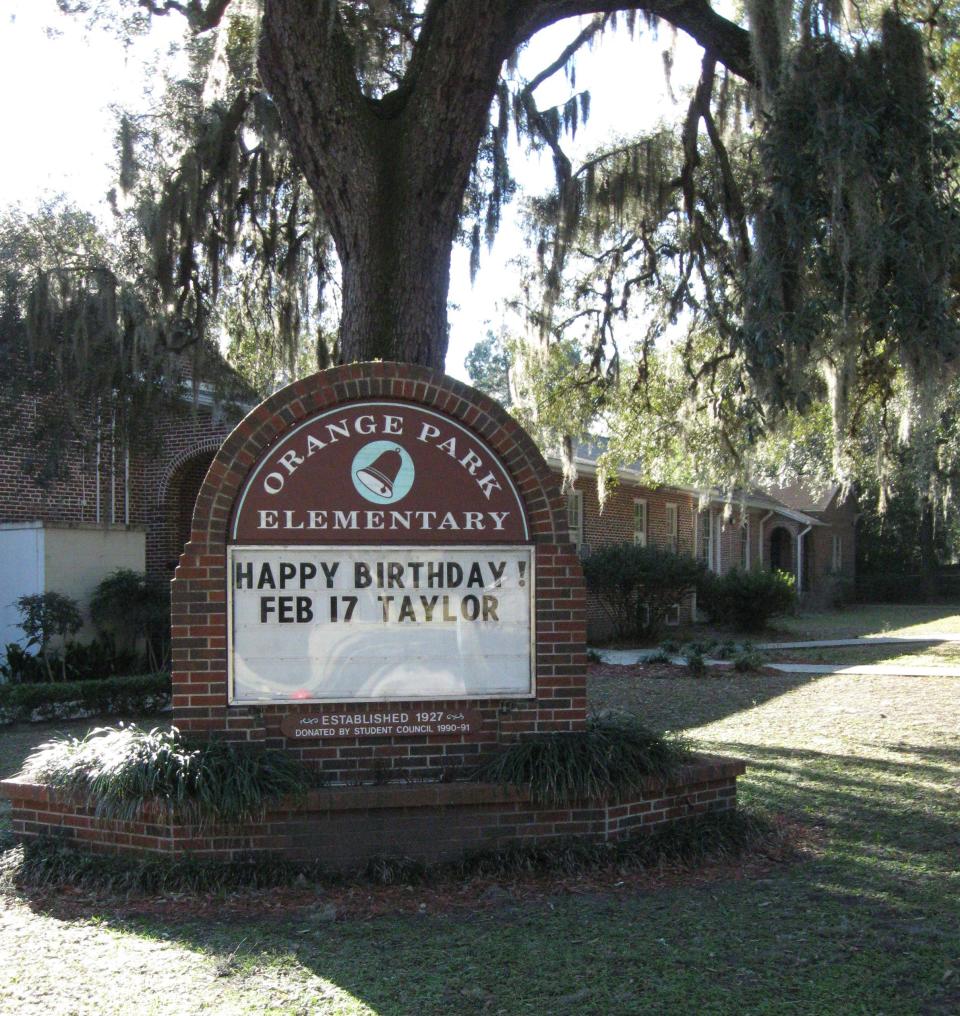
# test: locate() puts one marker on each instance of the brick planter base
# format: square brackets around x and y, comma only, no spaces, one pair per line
[343,827]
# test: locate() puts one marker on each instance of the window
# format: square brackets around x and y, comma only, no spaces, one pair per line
[640,523]
[745,543]
[673,528]
[837,557]
[705,538]
[575,516]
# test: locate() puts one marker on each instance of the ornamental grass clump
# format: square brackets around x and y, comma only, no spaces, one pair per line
[611,757]
[118,771]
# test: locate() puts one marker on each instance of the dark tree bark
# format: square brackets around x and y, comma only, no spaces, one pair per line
[929,565]
[390,174]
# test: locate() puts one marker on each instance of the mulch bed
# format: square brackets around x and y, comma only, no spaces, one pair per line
[476,895]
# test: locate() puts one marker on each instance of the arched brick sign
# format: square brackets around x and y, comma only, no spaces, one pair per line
[379,577]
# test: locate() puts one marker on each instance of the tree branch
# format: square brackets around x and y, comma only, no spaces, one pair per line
[200,18]
[727,40]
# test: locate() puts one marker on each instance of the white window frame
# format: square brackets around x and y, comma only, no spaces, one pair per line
[836,555]
[745,544]
[575,501]
[640,536]
[673,526]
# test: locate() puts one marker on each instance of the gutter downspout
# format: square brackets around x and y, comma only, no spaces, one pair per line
[763,522]
[800,537]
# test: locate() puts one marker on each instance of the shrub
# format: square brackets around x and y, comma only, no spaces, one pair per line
[637,586]
[120,770]
[126,696]
[746,599]
[746,662]
[132,606]
[44,617]
[82,661]
[46,862]
[612,756]
[593,656]
[696,665]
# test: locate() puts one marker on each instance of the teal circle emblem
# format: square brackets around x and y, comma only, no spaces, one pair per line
[382,472]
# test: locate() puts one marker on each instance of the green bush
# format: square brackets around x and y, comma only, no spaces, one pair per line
[82,661]
[696,665]
[611,757]
[746,599]
[637,586]
[126,696]
[132,606]
[747,662]
[45,617]
[117,771]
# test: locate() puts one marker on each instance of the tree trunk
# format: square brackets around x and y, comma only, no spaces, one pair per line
[390,173]
[928,553]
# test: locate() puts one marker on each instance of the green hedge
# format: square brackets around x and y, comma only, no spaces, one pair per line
[60,700]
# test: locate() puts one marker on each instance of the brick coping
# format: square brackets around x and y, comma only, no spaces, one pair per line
[705,768]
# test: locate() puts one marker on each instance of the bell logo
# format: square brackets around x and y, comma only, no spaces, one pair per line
[382,472]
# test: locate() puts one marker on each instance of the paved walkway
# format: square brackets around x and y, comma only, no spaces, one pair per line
[628,657]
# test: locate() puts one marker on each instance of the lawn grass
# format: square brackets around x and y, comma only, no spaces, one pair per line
[867,923]
[861,620]
[943,654]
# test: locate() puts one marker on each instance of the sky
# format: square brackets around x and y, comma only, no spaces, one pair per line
[60,87]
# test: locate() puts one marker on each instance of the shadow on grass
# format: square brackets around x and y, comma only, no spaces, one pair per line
[681,702]
[871,917]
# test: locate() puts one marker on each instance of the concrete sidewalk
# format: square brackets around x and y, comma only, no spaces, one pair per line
[628,657]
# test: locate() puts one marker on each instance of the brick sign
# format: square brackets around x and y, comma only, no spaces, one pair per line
[379,552]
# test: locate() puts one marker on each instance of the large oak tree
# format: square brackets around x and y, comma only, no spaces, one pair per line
[385,105]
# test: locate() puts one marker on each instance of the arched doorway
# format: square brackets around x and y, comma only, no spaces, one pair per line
[181,495]
[781,550]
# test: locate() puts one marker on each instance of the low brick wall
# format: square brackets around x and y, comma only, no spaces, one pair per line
[343,827]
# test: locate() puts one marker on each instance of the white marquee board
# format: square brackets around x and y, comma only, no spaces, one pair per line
[344,624]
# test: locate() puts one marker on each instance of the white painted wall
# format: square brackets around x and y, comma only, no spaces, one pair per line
[37,558]
[21,573]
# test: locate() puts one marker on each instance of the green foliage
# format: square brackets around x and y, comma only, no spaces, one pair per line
[746,599]
[121,771]
[81,332]
[118,696]
[637,585]
[134,606]
[488,365]
[748,662]
[719,836]
[46,863]
[45,617]
[696,665]
[611,757]
[78,661]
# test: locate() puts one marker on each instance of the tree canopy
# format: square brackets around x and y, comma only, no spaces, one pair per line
[797,231]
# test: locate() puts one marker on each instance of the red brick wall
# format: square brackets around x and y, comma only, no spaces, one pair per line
[343,828]
[614,524]
[199,588]
[160,482]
